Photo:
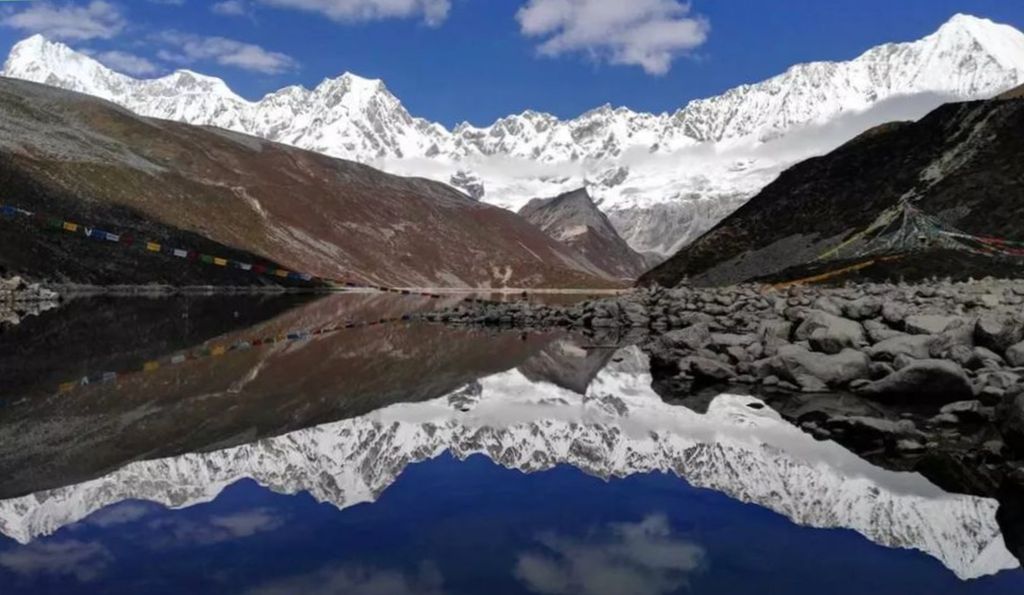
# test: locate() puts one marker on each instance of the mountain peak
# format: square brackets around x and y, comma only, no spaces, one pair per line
[574,220]
[1005,44]
[967,22]
[578,196]
[37,50]
[189,81]
[38,42]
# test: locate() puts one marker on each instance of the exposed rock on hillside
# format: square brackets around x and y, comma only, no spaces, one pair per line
[574,220]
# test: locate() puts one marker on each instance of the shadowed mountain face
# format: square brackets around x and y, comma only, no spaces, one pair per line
[574,220]
[1015,93]
[961,164]
[90,162]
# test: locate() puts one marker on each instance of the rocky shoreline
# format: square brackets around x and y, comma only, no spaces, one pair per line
[926,377]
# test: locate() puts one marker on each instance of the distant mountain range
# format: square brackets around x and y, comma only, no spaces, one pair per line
[663,179]
[618,428]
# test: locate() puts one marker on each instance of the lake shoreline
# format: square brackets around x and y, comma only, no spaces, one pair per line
[925,377]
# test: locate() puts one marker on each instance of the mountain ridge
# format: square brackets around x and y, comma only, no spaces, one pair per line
[640,166]
[89,161]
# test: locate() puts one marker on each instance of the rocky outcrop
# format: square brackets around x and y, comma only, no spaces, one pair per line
[928,381]
[922,346]
[574,220]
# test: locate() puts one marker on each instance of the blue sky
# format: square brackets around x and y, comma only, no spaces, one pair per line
[477,60]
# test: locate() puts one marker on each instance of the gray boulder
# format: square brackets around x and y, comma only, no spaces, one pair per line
[862,308]
[826,304]
[1015,355]
[830,333]
[814,371]
[733,339]
[928,324]
[872,428]
[1011,419]
[880,370]
[774,334]
[983,358]
[702,367]
[998,332]
[879,331]
[635,314]
[915,346]
[954,341]
[928,380]
[895,313]
[693,337]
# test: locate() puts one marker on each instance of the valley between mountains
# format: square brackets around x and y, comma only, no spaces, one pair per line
[804,293]
[661,179]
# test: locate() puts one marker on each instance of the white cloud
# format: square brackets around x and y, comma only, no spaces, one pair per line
[356,580]
[247,523]
[637,558]
[186,48]
[96,20]
[178,532]
[646,33]
[233,8]
[433,12]
[127,63]
[83,560]
[119,514]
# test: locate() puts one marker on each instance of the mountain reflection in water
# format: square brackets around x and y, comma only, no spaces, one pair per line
[483,462]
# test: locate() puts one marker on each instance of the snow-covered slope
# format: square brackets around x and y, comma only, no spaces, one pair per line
[662,178]
[620,427]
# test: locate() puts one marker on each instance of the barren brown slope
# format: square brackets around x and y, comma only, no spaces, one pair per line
[90,161]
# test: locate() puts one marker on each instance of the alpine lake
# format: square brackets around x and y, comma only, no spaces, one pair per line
[287,445]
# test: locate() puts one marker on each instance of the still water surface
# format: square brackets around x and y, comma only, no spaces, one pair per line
[413,458]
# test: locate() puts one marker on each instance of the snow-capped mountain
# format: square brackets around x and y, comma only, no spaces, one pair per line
[662,178]
[618,428]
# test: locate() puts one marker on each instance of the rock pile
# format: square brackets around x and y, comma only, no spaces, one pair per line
[946,354]
[943,341]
